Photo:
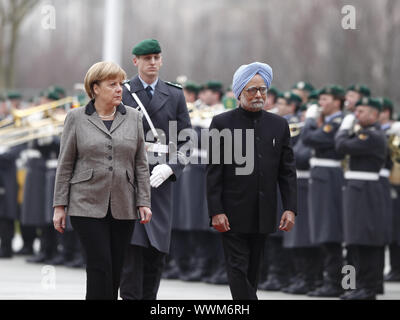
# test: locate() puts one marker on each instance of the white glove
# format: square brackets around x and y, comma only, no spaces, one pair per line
[348,122]
[394,128]
[159,174]
[313,112]
[3,149]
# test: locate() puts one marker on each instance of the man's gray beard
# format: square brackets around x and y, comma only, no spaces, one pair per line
[257,105]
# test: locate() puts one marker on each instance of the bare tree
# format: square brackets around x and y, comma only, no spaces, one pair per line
[12,14]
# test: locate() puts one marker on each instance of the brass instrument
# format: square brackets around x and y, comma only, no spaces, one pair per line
[394,146]
[295,128]
[35,122]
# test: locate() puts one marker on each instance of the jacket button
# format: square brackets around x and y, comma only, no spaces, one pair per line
[110,168]
[109,158]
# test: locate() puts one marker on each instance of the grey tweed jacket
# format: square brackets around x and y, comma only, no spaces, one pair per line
[97,165]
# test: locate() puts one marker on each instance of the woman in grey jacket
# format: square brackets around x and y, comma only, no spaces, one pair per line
[102,179]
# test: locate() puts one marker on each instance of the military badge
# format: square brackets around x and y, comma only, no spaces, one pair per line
[327,128]
[363,136]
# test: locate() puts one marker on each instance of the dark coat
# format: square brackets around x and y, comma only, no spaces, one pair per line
[168,104]
[325,184]
[249,201]
[363,219]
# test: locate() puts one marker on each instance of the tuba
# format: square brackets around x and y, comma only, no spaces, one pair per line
[394,147]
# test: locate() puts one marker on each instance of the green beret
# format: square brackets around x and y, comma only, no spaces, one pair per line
[334,90]
[214,85]
[313,95]
[361,89]
[53,95]
[303,107]
[14,95]
[191,87]
[386,103]
[59,90]
[370,102]
[274,91]
[302,85]
[147,46]
[290,97]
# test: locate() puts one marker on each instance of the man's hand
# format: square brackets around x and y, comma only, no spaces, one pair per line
[348,122]
[159,174]
[145,215]
[287,221]
[220,222]
[59,218]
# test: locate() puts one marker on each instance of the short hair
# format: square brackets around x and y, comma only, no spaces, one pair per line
[101,71]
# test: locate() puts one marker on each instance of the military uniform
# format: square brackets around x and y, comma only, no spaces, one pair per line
[152,241]
[363,199]
[325,195]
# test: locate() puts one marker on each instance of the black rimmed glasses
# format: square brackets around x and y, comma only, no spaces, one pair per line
[252,91]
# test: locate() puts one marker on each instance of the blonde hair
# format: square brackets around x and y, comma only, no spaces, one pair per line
[100,71]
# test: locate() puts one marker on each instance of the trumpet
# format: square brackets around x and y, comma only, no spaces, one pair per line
[295,128]
[35,122]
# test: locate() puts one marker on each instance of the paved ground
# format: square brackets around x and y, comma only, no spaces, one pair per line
[22,280]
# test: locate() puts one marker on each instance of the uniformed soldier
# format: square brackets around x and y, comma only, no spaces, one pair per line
[303,89]
[353,94]
[325,189]
[280,267]
[385,119]
[272,97]
[164,102]
[363,196]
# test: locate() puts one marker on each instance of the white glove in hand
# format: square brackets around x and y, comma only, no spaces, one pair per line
[348,122]
[394,128]
[159,174]
[313,112]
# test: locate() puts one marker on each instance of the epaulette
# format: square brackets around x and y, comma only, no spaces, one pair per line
[337,120]
[174,85]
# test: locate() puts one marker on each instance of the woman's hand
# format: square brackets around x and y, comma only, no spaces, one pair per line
[59,218]
[145,215]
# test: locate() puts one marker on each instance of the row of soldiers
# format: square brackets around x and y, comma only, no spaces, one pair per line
[27,173]
[308,260]
[344,218]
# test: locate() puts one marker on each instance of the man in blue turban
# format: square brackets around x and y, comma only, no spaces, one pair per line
[242,202]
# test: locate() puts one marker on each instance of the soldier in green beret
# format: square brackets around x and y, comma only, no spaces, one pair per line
[288,104]
[165,105]
[303,90]
[15,98]
[353,94]
[272,98]
[190,90]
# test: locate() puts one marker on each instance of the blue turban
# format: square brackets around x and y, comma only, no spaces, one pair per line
[246,72]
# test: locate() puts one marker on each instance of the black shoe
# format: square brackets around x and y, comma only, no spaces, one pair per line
[273,283]
[326,291]
[393,276]
[359,294]
[301,287]
[25,251]
[75,263]
[173,273]
[5,253]
[37,258]
[58,260]
[195,275]
[379,289]
[219,278]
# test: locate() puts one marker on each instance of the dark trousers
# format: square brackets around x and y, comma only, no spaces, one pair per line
[6,233]
[104,242]
[394,250]
[332,263]
[367,262]
[243,255]
[141,274]
[280,264]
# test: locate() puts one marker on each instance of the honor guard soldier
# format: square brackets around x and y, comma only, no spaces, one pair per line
[303,90]
[353,94]
[325,189]
[272,98]
[385,119]
[163,103]
[279,258]
[363,196]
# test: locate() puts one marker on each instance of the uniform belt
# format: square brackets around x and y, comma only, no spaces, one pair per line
[303,174]
[320,162]
[51,164]
[385,173]
[361,175]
